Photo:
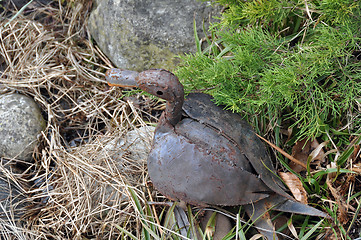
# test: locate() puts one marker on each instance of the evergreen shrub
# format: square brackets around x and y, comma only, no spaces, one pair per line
[295,63]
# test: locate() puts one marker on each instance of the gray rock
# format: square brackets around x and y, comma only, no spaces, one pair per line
[138,142]
[20,123]
[135,144]
[144,34]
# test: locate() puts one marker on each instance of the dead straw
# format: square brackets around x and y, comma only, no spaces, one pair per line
[78,185]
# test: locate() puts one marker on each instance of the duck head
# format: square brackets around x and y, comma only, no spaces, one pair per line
[158,82]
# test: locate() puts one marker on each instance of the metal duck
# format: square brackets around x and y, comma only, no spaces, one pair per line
[205,155]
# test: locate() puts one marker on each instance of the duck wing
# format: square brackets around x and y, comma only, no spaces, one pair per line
[199,106]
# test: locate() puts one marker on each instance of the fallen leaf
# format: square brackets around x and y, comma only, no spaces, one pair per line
[331,175]
[292,228]
[302,150]
[256,236]
[295,185]
[356,151]
[337,195]
[341,204]
[317,150]
[287,132]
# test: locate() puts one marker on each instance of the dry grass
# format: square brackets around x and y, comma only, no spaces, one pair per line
[82,185]
[79,184]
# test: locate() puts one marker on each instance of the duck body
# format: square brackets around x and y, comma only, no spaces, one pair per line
[204,155]
[203,160]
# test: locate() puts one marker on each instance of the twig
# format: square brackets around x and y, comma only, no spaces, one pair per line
[283,152]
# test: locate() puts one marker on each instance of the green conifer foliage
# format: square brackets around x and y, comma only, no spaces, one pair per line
[298,61]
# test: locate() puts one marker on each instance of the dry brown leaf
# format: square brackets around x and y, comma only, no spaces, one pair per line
[332,174]
[342,206]
[256,236]
[295,185]
[292,229]
[356,152]
[302,150]
[287,132]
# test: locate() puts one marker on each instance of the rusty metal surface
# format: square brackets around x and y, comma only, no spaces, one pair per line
[208,155]
[194,164]
[200,107]
[258,212]
[165,85]
[121,78]
[158,82]
[279,203]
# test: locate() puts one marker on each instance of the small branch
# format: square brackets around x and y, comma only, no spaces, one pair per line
[283,152]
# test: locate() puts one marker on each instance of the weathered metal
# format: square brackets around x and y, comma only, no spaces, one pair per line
[205,155]
[198,162]
[126,77]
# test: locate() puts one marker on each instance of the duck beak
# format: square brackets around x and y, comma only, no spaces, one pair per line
[121,78]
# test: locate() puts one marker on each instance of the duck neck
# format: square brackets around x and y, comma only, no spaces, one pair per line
[173,109]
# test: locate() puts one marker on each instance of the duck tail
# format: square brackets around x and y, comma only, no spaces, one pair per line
[259,212]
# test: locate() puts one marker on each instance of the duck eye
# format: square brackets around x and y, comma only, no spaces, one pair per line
[160,93]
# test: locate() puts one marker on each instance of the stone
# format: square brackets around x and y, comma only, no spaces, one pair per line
[145,34]
[136,144]
[21,123]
